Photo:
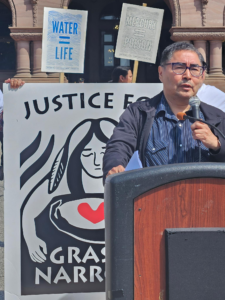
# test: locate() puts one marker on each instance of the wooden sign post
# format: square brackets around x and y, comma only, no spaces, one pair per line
[136,62]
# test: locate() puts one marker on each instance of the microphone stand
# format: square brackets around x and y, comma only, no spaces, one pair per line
[199,151]
[195,112]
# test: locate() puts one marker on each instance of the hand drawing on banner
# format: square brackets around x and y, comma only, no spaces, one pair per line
[77,171]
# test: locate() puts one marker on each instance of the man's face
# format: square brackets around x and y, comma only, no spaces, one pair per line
[181,86]
[127,79]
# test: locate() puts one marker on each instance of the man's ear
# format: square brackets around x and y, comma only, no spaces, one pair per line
[202,78]
[160,70]
[203,75]
[121,78]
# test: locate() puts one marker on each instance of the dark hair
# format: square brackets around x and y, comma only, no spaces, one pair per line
[169,51]
[119,71]
[74,168]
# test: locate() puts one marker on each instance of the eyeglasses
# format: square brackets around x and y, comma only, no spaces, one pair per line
[180,68]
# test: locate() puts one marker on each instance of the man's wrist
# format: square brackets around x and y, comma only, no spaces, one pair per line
[217,147]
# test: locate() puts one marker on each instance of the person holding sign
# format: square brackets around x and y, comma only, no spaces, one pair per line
[152,128]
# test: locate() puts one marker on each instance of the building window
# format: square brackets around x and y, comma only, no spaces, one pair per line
[108,56]
[108,38]
[109,50]
[125,62]
[109,61]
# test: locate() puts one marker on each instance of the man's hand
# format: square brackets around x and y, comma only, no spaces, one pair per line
[15,83]
[115,170]
[202,132]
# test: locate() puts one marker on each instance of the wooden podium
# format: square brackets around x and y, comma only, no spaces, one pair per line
[164,233]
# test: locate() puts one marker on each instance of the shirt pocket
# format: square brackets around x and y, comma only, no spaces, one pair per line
[157,153]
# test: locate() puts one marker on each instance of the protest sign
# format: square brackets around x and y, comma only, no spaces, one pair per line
[139,33]
[63,40]
[54,140]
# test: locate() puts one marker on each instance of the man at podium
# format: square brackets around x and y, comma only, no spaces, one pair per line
[152,128]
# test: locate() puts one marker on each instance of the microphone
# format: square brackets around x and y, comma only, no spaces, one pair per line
[194,102]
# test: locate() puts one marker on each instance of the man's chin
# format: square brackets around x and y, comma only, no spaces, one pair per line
[186,94]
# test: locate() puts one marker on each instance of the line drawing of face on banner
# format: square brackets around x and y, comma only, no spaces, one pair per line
[80,210]
[84,156]
[91,157]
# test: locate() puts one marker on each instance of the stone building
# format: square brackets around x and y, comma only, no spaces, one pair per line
[199,21]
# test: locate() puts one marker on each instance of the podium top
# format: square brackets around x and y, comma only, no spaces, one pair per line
[143,180]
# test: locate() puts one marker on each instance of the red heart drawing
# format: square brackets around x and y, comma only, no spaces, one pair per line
[94,216]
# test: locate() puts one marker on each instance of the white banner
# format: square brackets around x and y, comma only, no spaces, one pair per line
[63,40]
[139,33]
[54,140]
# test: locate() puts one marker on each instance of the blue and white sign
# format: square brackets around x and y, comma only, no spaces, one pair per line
[63,42]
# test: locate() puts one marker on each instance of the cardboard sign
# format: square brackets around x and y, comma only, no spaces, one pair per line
[63,40]
[54,141]
[139,33]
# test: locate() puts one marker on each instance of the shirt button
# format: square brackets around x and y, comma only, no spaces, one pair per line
[180,145]
[180,125]
[153,149]
[208,153]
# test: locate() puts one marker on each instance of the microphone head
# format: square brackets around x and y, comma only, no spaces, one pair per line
[181,116]
[194,101]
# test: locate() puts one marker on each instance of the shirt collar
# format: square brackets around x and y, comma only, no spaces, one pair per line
[164,107]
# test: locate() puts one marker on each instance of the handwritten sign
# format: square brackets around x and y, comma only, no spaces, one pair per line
[139,33]
[63,44]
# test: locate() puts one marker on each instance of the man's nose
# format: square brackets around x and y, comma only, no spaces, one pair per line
[187,74]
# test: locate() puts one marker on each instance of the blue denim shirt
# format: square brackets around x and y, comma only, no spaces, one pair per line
[170,140]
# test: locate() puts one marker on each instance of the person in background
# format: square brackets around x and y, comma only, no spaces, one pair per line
[122,75]
[14,84]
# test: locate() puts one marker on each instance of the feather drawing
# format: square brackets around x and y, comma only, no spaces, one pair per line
[58,168]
